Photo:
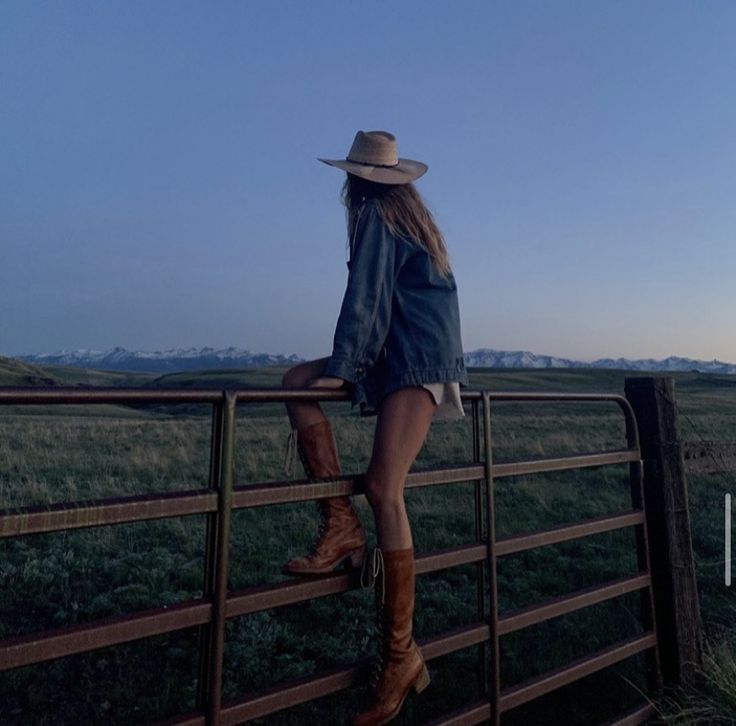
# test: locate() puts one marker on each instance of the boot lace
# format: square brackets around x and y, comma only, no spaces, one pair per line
[293,450]
[369,578]
[372,567]
[290,454]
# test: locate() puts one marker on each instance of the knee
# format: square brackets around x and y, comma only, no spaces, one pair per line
[380,494]
[296,377]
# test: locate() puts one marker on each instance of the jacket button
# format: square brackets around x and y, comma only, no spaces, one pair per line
[359,369]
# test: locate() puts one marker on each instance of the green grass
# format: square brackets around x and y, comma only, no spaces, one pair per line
[63,453]
[16,373]
[711,699]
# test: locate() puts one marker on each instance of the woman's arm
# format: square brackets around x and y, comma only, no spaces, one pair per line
[365,314]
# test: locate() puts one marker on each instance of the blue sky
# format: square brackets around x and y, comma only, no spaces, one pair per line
[159,184]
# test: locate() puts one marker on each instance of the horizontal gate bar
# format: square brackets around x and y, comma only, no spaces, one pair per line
[305,689]
[95,513]
[64,394]
[449,475]
[522,396]
[264,597]
[309,688]
[480,712]
[451,557]
[120,510]
[184,719]
[292,694]
[552,680]
[637,715]
[286,492]
[579,461]
[596,525]
[565,604]
[290,592]
[454,640]
[476,713]
[16,395]
[35,648]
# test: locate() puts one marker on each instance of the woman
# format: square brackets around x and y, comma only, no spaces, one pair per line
[397,349]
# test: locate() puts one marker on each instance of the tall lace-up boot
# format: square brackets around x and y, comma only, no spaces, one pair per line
[341,537]
[400,665]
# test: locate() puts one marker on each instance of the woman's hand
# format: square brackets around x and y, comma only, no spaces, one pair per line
[326,382]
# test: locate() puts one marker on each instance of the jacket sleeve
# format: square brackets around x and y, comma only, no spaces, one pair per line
[365,313]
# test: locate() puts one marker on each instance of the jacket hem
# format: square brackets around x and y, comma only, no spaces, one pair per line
[370,400]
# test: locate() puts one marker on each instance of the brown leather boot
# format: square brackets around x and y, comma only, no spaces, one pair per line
[341,537]
[400,665]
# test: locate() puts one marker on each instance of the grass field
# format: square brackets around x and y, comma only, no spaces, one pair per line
[64,453]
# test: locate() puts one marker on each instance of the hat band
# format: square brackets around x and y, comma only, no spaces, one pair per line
[368,163]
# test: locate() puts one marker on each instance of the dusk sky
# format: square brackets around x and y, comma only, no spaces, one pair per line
[159,182]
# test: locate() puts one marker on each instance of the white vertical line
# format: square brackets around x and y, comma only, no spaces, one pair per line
[728,540]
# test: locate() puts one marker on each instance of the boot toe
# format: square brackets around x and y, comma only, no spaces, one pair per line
[296,566]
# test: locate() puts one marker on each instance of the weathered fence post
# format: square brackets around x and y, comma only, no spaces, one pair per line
[677,609]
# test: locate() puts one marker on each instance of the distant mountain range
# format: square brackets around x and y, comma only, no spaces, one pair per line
[166,361]
[487,358]
[189,359]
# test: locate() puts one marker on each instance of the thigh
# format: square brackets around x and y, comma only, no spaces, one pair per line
[403,421]
[302,373]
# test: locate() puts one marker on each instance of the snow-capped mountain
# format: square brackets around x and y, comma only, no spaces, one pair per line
[488,358]
[673,363]
[166,361]
[189,359]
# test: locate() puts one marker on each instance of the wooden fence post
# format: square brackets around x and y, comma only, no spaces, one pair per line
[677,610]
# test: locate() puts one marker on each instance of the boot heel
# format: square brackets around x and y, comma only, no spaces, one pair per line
[357,557]
[422,680]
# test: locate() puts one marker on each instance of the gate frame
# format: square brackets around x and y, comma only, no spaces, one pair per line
[217,605]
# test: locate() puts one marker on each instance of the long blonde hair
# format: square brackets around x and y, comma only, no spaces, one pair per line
[404,212]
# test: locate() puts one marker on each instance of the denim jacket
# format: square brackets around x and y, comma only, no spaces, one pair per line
[399,323]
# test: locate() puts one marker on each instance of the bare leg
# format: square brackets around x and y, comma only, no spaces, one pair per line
[403,422]
[341,536]
[304,413]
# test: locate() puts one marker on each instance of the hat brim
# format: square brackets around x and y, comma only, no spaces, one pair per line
[407,170]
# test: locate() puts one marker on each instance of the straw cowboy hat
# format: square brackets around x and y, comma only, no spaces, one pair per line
[374,156]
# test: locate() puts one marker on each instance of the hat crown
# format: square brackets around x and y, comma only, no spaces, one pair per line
[377,148]
[374,156]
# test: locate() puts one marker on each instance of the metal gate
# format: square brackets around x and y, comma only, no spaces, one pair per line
[218,604]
